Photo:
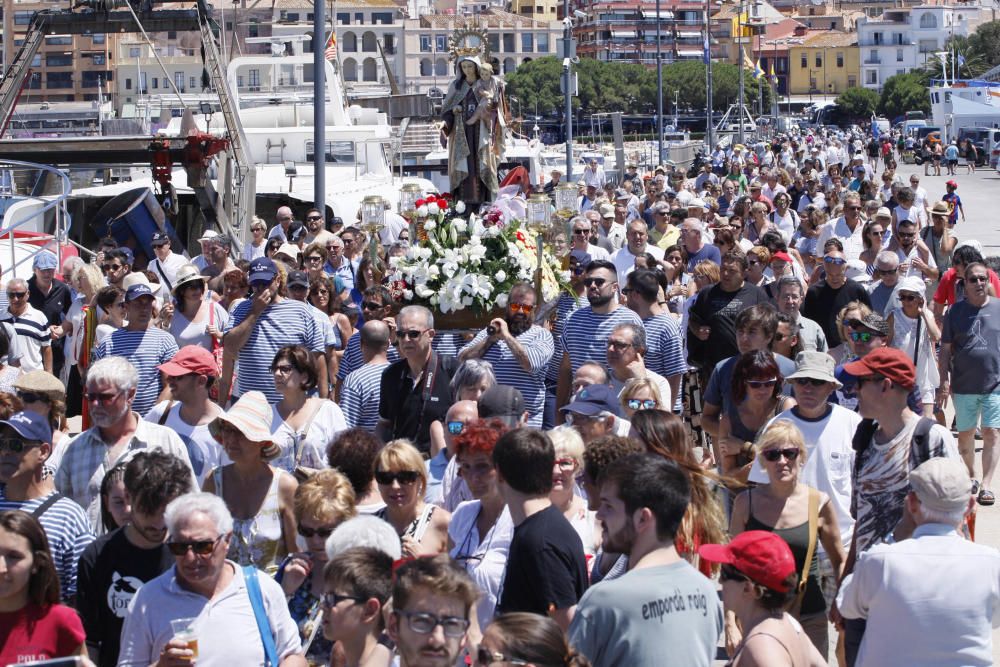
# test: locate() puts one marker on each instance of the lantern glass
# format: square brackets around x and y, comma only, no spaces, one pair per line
[373,212]
[539,215]
[408,196]
[566,200]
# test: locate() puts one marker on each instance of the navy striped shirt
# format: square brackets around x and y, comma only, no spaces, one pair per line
[586,335]
[68,530]
[146,350]
[286,322]
[360,395]
[567,303]
[32,328]
[352,358]
[665,348]
[537,343]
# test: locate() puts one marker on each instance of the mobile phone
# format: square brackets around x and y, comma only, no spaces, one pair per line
[73,661]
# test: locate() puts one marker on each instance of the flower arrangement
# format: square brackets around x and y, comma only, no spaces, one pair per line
[460,263]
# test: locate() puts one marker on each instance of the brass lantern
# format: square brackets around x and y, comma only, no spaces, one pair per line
[372,222]
[567,200]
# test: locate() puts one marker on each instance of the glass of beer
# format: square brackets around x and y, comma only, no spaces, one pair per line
[184,631]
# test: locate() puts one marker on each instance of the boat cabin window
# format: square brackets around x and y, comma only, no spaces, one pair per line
[336,151]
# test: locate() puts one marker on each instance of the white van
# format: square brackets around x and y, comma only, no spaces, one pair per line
[882,124]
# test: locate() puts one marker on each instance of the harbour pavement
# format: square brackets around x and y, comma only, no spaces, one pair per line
[978,192]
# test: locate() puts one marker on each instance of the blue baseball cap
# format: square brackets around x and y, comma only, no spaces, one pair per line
[138,290]
[263,269]
[45,260]
[30,426]
[592,400]
[159,238]
[129,256]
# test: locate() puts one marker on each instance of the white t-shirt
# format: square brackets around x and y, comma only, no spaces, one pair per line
[204,450]
[167,272]
[624,260]
[829,460]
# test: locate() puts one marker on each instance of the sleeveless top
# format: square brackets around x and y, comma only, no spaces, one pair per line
[795,626]
[797,537]
[739,430]
[418,526]
[257,541]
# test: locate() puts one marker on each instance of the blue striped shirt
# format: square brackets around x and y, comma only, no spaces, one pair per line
[586,335]
[567,304]
[665,348]
[447,344]
[352,358]
[68,531]
[32,328]
[286,322]
[537,343]
[360,395]
[146,350]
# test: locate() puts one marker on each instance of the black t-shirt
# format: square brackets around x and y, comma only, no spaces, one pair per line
[54,306]
[546,568]
[823,303]
[718,309]
[111,571]
[403,404]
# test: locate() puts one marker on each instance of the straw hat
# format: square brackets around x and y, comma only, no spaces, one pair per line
[251,416]
[941,208]
[41,382]
[187,273]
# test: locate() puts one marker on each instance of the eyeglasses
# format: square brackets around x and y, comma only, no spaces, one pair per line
[774,455]
[456,428]
[484,656]
[404,477]
[802,382]
[838,261]
[331,600]
[370,305]
[198,547]
[908,297]
[520,308]
[977,279]
[32,397]
[580,232]
[424,624]
[321,290]
[283,369]
[16,445]
[565,464]
[640,403]
[757,384]
[16,295]
[862,336]
[412,334]
[594,282]
[618,345]
[103,399]
[111,267]
[314,259]
[314,532]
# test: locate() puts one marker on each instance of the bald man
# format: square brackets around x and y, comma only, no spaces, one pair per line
[285,217]
[444,487]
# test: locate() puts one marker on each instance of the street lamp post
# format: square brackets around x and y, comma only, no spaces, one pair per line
[739,59]
[709,94]
[567,79]
[659,90]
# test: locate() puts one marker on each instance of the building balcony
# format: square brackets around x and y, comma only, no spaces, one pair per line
[873,61]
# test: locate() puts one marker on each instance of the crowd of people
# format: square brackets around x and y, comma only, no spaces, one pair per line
[743,388]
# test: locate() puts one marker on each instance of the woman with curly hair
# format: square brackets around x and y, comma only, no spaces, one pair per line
[663,434]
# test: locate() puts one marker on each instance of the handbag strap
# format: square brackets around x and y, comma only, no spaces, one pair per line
[811,550]
[49,502]
[916,345]
[260,615]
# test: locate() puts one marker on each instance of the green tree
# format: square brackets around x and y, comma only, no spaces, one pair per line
[688,77]
[860,103]
[984,45]
[904,92]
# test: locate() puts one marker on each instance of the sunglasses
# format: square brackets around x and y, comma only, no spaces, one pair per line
[111,267]
[198,547]
[641,403]
[757,384]
[802,382]
[486,657]
[412,334]
[594,282]
[862,336]
[32,397]
[580,232]
[977,279]
[908,297]
[886,272]
[314,532]
[774,455]
[331,600]
[456,428]
[103,399]
[370,305]
[838,261]
[404,477]
[313,217]
[314,259]
[520,308]
[16,445]
[17,295]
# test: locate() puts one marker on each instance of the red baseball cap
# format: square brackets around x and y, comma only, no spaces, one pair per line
[782,255]
[763,556]
[191,359]
[759,554]
[889,362]
[951,184]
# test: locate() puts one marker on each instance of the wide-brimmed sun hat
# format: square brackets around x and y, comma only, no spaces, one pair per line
[251,416]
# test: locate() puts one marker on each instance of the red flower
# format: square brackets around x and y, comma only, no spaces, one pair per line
[448,196]
[419,203]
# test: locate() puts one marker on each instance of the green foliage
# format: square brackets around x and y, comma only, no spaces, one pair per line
[984,46]
[860,103]
[904,92]
[630,88]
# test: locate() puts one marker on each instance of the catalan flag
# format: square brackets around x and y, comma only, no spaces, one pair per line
[331,47]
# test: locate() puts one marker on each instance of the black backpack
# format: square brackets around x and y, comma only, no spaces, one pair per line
[920,442]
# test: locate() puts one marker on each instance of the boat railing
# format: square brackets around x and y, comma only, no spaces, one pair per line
[56,204]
